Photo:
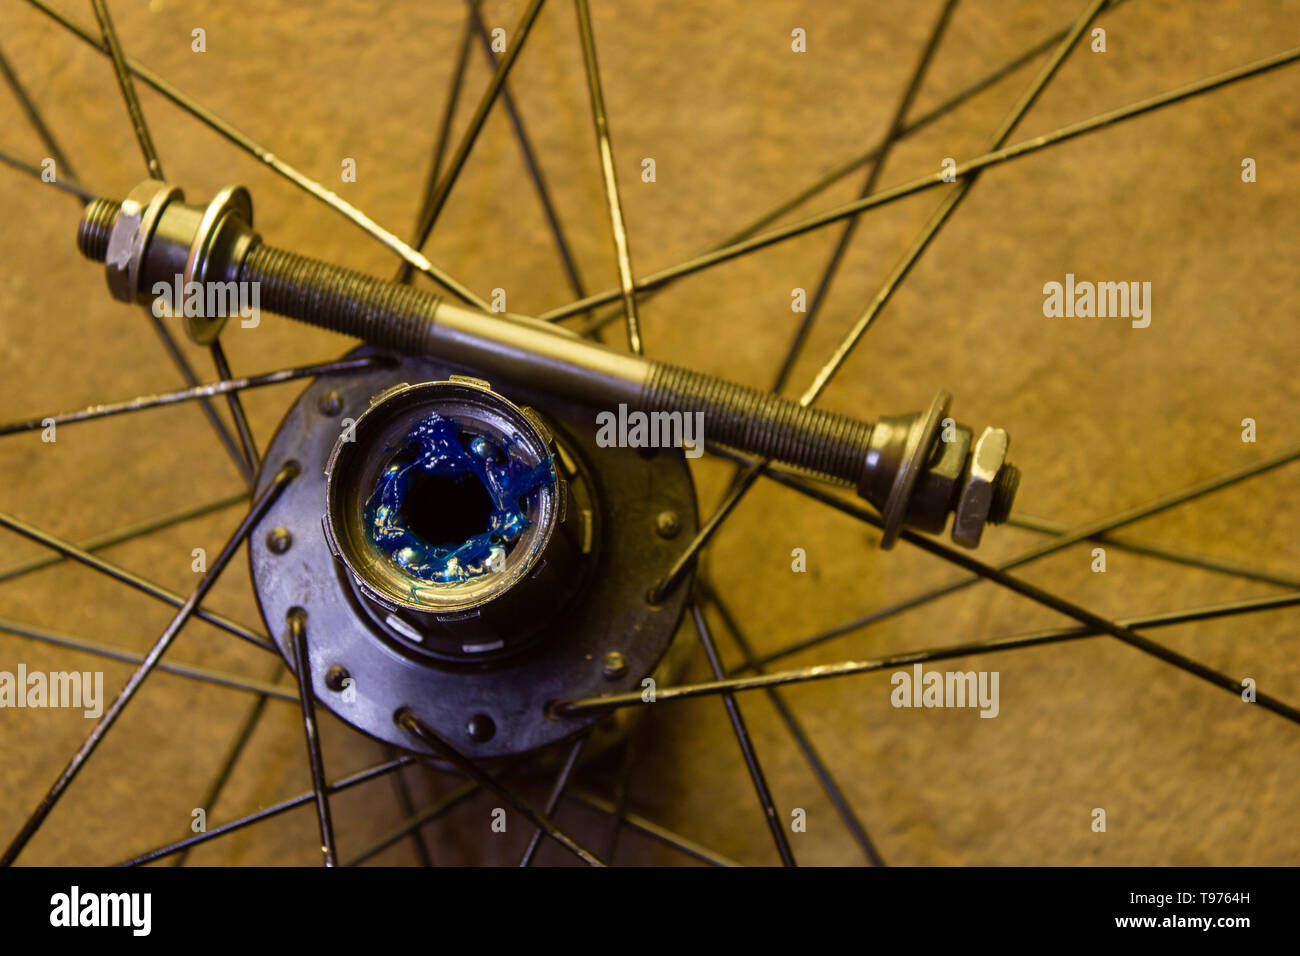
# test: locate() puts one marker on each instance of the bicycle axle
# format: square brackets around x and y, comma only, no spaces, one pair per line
[911,467]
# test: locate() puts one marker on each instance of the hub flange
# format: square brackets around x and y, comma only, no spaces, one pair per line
[596,548]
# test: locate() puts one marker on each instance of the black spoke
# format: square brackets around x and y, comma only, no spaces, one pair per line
[1172,555]
[227,386]
[429,215]
[567,258]
[65,185]
[756,775]
[274,162]
[219,678]
[797,732]
[557,791]
[38,122]
[1082,533]
[133,684]
[361,776]
[922,183]
[803,675]
[128,88]
[651,829]
[873,174]
[104,566]
[127,532]
[297,625]
[407,720]
[613,202]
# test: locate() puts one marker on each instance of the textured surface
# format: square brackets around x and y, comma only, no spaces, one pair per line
[1102,416]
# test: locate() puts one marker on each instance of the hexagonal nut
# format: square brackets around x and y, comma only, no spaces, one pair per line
[976,496]
[121,248]
[130,235]
[939,485]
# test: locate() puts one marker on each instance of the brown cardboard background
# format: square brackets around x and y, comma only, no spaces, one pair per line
[1102,416]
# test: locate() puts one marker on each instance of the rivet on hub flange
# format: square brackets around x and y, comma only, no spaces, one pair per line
[279,540]
[614,666]
[480,728]
[668,524]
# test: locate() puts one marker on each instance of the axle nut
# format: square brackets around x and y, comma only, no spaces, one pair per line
[130,235]
[977,491]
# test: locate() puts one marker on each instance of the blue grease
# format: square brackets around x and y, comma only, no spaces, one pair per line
[434,447]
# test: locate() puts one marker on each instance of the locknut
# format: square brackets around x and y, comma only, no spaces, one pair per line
[977,489]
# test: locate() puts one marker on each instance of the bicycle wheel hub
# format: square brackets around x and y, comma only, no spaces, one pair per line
[465,556]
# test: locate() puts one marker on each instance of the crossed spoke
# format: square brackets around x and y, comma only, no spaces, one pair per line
[227,386]
[613,201]
[429,214]
[900,271]
[266,813]
[409,722]
[413,823]
[756,775]
[128,533]
[836,173]
[797,732]
[803,675]
[531,162]
[450,104]
[245,455]
[38,123]
[104,566]
[1043,597]
[874,169]
[748,240]
[557,791]
[221,679]
[133,684]
[653,830]
[984,161]
[1093,529]
[274,162]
